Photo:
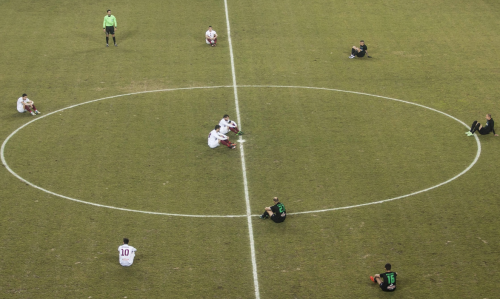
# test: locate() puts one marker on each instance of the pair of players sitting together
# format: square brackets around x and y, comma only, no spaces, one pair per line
[218,135]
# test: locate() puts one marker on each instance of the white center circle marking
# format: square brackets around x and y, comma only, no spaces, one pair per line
[4,162]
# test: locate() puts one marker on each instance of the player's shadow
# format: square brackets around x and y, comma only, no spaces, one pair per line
[94,42]
[17,115]
[127,34]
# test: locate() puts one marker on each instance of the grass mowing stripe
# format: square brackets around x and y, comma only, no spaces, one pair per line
[242,155]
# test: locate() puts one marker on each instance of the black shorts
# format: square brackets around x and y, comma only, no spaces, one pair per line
[384,287]
[277,219]
[484,131]
[110,30]
[360,54]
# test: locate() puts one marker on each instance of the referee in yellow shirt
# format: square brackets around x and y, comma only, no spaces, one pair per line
[109,26]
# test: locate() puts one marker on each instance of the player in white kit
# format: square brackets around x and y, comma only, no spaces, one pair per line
[215,138]
[227,125]
[24,104]
[126,253]
[211,37]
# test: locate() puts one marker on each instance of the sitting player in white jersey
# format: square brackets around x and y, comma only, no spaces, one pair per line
[227,125]
[215,138]
[24,104]
[127,253]
[211,37]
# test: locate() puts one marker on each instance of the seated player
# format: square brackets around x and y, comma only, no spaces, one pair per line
[489,127]
[227,125]
[359,52]
[276,212]
[211,37]
[126,253]
[215,138]
[24,104]
[387,280]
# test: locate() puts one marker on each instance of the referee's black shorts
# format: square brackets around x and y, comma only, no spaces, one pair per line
[110,30]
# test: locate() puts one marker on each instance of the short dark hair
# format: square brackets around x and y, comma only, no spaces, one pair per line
[276,199]
[361,41]
[489,115]
[217,127]
[210,26]
[225,115]
[25,95]
[387,266]
[125,240]
[108,10]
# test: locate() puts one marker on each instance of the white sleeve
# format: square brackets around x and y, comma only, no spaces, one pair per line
[224,123]
[221,136]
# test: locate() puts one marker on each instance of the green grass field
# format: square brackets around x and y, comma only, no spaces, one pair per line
[314,148]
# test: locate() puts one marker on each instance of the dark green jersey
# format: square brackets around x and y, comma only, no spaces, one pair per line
[389,278]
[279,211]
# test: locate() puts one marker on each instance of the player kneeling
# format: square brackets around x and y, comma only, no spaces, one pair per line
[215,138]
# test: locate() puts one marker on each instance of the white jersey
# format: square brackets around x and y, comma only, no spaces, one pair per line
[225,125]
[20,104]
[210,34]
[127,254]
[214,137]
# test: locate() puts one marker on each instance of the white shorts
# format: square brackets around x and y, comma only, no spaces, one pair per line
[213,145]
[124,264]
[20,109]
[224,130]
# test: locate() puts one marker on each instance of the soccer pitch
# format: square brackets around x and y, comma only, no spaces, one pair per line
[368,155]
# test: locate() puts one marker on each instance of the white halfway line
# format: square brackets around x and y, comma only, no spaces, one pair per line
[243,165]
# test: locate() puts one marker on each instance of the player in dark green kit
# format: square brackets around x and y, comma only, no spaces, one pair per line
[109,26]
[387,280]
[276,212]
